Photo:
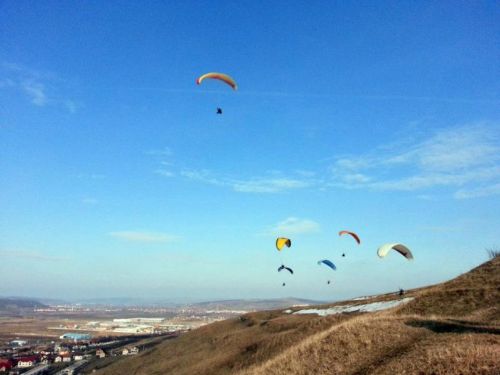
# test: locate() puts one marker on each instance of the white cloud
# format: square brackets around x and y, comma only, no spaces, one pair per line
[483,191]
[455,157]
[33,255]
[455,149]
[165,173]
[139,236]
[165,151]
[90,176]
[305,173]
[352,164]
[355,178]
[272,185]
[293,226]
[36,91]
[203,175]
[464,157]
[35,86]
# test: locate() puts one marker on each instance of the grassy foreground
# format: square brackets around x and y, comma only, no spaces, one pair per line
[449,328]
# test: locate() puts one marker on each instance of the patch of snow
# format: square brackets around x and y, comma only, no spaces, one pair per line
[369,307]
[287,311]
[361,298]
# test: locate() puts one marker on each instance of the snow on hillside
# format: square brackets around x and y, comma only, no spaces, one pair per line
[369,307]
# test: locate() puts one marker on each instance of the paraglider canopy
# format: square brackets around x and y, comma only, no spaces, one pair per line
[220,76]
[400,248]
[281,242]
[352,234]
[282,267]
[329,263]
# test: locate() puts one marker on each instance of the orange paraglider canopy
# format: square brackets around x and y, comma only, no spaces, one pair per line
[220,76]
[354,235]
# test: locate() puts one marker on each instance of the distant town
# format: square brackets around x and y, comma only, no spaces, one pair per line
[38,338]
[76,339]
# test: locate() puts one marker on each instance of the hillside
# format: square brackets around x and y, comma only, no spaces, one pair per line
[449,328]
[14,305]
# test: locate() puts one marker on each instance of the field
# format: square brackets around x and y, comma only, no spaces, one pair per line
[42,327]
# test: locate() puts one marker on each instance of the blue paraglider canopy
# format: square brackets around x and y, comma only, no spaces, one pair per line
[328,263]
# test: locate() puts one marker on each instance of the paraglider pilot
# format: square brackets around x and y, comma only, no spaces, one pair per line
[219,111]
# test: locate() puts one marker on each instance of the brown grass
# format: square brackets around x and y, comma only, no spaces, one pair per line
[451,328]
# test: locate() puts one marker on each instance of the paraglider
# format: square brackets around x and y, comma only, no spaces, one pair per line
[352,234]
[281,242]
[400,248]
[220,76]
[282,267]
[328,263]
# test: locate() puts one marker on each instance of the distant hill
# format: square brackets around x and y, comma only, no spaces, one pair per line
[449,328]
[12,304]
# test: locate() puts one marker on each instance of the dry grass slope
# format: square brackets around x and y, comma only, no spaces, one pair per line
[450,328]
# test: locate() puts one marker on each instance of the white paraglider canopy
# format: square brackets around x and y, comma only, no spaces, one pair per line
[400,248]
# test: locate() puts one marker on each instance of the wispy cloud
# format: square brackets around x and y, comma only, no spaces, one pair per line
[35,86]
[36,92]
[162,156]
[482,191]
[293,226]
[32,255]
[164,172]
[165,151]
[202,175]
[90,176]
[463,158]
[455,157]
[273,184]
[139,236]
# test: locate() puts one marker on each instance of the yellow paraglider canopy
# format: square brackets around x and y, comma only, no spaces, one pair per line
[281,242]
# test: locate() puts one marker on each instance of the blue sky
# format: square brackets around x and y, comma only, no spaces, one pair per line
[118,178]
